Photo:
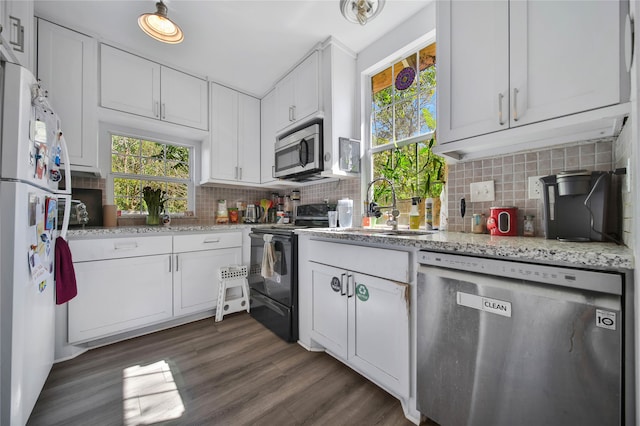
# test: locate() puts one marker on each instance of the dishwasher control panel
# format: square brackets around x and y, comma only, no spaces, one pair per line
[575,278]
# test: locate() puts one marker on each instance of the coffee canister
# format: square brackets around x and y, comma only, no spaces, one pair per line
[503,221]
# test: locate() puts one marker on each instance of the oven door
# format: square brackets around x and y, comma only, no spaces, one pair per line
[281,285]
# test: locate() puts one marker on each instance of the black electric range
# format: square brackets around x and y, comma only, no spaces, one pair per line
[274,293]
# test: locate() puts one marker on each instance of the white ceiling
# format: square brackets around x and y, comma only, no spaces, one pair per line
[244,44]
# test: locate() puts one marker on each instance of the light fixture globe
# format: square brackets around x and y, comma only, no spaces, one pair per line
[361,11]
[158,26]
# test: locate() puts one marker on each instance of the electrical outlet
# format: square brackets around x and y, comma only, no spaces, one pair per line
[535,188]
[482,191]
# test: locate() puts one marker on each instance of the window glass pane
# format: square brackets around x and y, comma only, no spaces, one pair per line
[153,167]
[427,113]
[406,120]
[152,149]
[125,145]
[382,167]
[177,169]
[127,194]
[381,82]
[382,126]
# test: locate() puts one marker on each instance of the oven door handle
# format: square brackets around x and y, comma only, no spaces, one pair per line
[306,153]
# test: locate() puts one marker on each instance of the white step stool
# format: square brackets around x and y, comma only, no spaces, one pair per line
[232,277]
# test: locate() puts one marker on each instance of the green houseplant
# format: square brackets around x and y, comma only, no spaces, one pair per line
[154,199]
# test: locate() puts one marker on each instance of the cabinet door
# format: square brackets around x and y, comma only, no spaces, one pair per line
[129,83]
[67,66]
[284,101]
[267,137]
[248,139]
[119,295]
[184,99]
[329,308]
[379,330]
[559,69]
[18,30]
[473,68]
[224,133]
[306,88]
[196,278]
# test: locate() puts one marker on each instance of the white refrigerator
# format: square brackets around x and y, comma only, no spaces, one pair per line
[32,153]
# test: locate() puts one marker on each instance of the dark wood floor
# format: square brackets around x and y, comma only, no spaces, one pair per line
[230,373]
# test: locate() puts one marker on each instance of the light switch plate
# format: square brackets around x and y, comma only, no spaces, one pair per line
[535,188]
[482,191]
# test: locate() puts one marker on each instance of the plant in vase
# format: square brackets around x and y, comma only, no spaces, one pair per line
[154,199]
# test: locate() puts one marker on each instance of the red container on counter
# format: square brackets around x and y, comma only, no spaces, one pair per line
[503,221]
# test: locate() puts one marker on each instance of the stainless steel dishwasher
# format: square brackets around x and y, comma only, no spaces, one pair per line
[509,343]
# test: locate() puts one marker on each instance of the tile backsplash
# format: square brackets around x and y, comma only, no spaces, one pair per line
[510,174]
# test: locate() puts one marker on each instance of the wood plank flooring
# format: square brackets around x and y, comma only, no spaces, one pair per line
[235,372]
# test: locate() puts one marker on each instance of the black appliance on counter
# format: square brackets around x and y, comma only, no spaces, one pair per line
[274,300]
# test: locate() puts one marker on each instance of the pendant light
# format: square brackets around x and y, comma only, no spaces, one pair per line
[361,11]
[158,26]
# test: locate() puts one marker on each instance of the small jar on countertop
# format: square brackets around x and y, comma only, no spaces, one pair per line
[479,223]
[528,228]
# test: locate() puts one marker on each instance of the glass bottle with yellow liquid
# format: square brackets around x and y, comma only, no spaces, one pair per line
[414,214]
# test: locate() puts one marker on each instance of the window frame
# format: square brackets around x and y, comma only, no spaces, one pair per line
[109,131]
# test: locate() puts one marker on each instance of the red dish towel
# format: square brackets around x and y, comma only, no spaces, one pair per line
[65,277]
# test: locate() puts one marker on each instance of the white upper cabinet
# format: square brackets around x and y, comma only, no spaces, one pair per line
[135,85]
[233,152]
[298,93]
[67,67]
[184,99]
[17,29]
[267,137]
[505,64]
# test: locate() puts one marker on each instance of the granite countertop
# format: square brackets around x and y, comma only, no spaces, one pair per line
[97,232]
[591,254]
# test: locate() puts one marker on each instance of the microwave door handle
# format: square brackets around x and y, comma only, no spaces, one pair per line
[306,153]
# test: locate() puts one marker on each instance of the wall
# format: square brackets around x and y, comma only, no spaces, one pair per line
[333,191]
[510,175]
[623,150]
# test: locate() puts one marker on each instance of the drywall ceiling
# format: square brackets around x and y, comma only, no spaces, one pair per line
[245,44]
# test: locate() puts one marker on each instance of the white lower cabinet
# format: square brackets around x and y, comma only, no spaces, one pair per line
[127,283]
[195,278]
[117,295]
[365,321]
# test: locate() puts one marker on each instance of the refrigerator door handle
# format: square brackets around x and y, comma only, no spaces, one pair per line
[67,215]
[67,165]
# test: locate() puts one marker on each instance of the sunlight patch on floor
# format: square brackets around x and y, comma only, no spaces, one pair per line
[150,394]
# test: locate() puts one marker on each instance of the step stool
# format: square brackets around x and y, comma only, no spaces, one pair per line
[231,277]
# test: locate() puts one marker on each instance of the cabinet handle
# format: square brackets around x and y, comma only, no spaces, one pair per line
[290,114]
[211,240]
[177,264]
[126,246]
[235,176]
[293,113]
[163,111]
[353,285]
[240,173]
[155,109]
[170,261]
[500,99]
[515,105]
[342,291]
[273,172]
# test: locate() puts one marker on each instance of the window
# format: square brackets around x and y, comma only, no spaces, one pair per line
[403,123]
[136,163]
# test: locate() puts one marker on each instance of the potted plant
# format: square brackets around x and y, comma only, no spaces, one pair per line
[154,199]
[415,173]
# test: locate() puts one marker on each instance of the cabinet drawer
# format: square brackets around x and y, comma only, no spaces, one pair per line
[210,241]
[117,248]
[384,263]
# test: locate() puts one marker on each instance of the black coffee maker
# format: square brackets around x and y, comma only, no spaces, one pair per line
[581,206]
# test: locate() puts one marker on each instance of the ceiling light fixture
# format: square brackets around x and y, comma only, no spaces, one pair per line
[158,26]
[361,11]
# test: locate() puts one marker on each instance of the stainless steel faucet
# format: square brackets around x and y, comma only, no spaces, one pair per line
[393,223]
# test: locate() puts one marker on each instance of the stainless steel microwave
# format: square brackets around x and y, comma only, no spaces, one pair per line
[300,153]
